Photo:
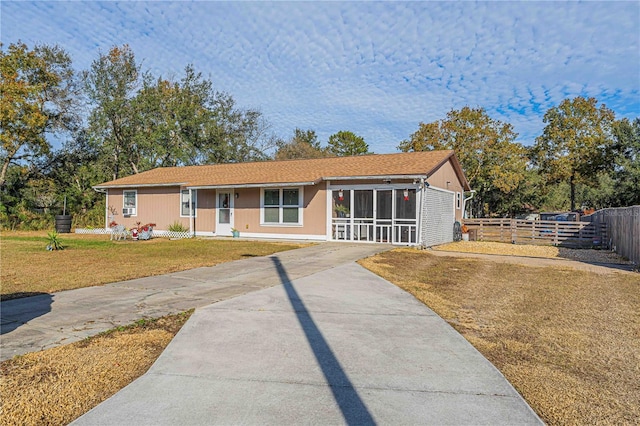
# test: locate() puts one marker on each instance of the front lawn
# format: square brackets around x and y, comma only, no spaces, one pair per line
[568,340]
[88,260]
[58,385]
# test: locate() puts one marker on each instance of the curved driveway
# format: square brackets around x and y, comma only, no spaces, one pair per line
[312,338]
[336,346]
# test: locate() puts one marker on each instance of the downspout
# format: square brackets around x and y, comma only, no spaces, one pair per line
[464,204]
[329,201]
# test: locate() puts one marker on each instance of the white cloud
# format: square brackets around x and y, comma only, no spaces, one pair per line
[377,69]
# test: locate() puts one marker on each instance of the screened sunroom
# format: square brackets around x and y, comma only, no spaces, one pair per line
[384,214]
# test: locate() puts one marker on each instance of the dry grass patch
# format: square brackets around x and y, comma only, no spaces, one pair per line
[569,341]
[89,260]
[58,385]
[550,252]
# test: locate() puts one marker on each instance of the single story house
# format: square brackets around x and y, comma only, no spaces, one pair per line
[404,198]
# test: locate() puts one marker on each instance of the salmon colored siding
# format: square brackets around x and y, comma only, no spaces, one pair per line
[205,220]
[162,207]
[154,205]
[446,173]
[247,213]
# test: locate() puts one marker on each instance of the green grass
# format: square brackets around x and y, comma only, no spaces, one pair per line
[88,260]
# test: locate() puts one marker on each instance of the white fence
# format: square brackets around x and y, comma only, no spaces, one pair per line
[107,231]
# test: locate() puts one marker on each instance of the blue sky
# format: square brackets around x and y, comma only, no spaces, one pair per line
[377,69]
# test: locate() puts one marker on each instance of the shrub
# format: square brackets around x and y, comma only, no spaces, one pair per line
[178,227]
[54,241]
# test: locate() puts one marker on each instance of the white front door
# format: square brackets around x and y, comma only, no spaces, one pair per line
[224,213]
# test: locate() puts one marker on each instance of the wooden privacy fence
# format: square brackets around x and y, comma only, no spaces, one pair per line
[623,224]
[550,232]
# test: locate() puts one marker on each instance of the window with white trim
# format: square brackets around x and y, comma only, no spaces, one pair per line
[281,206]
[130,201]
[458,200]
[184,202]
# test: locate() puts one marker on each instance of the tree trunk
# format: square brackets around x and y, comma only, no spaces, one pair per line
[3,174]
[572,185]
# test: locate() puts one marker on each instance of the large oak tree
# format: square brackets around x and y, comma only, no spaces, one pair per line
[493,162]
[576,143]
[38,96]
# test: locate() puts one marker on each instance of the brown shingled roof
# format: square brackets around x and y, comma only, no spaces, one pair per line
[292,171]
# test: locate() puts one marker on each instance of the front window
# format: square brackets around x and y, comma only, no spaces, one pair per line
[282,206]
[184,203]
[129,203]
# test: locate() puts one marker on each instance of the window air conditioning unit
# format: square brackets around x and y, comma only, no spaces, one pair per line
[128,211]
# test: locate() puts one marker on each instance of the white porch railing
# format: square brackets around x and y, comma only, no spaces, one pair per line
[380,231]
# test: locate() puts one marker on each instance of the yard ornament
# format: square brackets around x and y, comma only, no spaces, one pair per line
[341,195]
[406,195]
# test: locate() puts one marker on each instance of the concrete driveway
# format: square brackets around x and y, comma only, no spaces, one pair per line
[45,321]
[327,345]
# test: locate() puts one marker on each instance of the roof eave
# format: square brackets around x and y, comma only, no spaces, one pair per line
[253,185]
[142,185]
[374,177]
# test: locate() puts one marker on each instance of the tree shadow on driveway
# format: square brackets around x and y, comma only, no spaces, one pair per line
[352,407]
[17,312]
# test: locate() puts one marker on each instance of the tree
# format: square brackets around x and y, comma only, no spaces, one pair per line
[626,172]
[346,143]
[167,122]
[111,84]
[493,163]
[75,169]
[38,97]
[187,122]
[235,134]
[575,144]
[303,144]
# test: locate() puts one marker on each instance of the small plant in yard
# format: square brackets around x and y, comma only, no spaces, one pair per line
[177,227]
[54,241]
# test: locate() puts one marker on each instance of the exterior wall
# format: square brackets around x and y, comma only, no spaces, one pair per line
[445,174]
[162,207]
[437,218]
[205,220]
[154,205]
[247,213]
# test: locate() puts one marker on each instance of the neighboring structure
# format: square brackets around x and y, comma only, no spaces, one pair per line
[407,198]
